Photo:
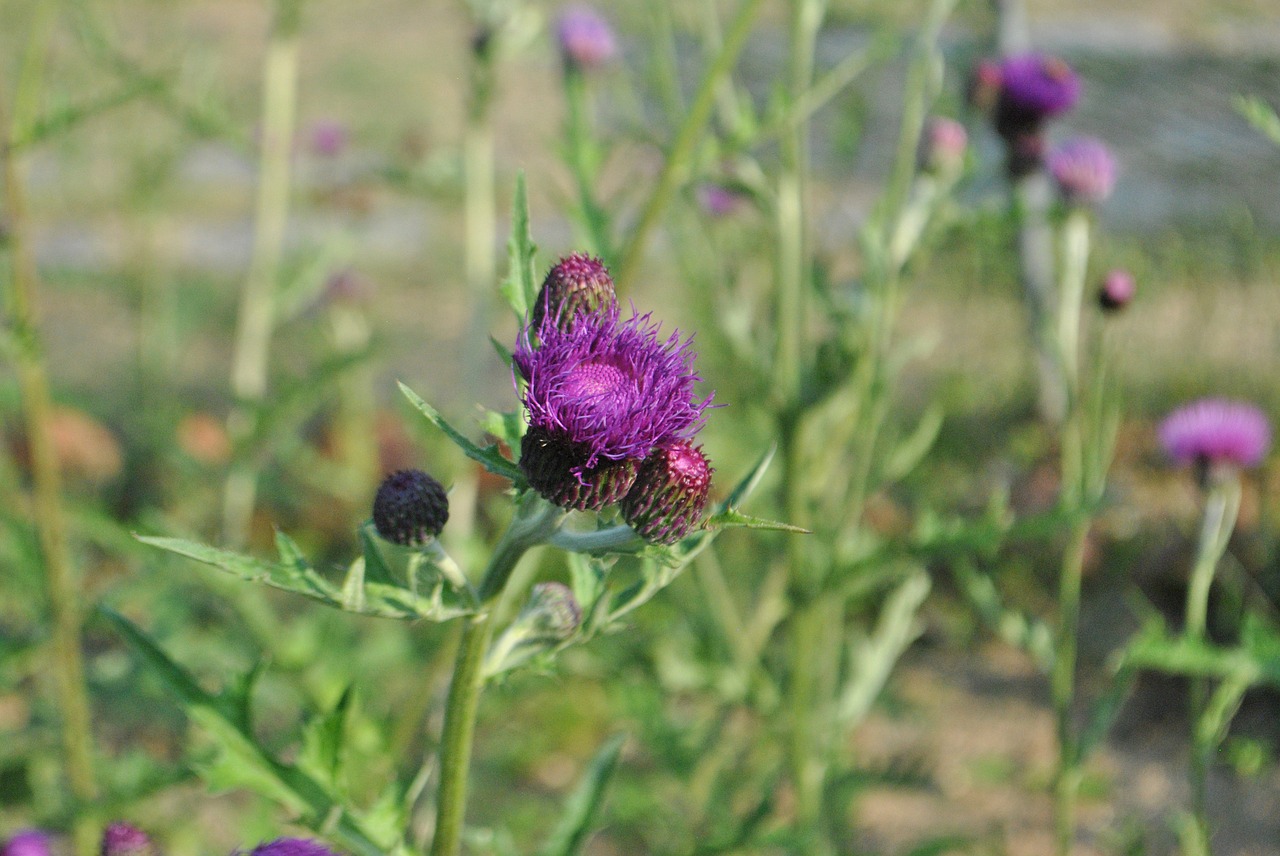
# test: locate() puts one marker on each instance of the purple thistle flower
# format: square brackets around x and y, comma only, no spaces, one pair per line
[576,284]
[718,200]
[670,493]
[410,508]
[1216,432]
[1117,290]
[1084,170]
[585,37]
[600,396]
[292,847]
[328,138]
[122,839]
[28,842]
[1033,87]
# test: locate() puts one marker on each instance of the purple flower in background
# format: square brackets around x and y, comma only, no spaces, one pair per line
[1033,87]
[942,146]
[600,396]
[1216,432]
[1084,170]
[122,839]
[718,200]
[28,842]
[328,138]
[292,847]
[1117,290]
[585,37]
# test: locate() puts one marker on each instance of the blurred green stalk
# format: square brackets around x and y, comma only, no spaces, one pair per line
[46,477]
[251,354]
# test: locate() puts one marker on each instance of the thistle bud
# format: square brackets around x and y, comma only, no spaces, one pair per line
[576,285]
[121,839]
[1084,171]
[1118,288]
[28,842]
[551,613]
[669,494]
[410,508]
[942,146]
[586,39]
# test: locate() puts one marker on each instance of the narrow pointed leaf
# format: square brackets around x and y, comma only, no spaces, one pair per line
[520,288]
[489,457]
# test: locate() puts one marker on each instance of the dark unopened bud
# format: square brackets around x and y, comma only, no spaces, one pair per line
[575,285]
[292,847]
[552,612]
[553,463]
[121,839]
[28,842]
[670,493]
[410,508]
[1118,288]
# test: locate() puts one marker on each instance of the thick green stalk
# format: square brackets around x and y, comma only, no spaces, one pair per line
[1075,259]
[51,530]
[679,160]
[251,354]
[1062,687]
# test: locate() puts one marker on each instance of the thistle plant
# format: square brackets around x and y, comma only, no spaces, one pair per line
[605,466]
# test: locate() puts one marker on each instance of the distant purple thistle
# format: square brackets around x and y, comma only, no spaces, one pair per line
[585,37]
[1084,170]
[328,138]
[1116,291]
[292,847]
[122,839]
[1033,87]
[1216,431]
[28,842]
[718,200]
[599,397]
[942,146]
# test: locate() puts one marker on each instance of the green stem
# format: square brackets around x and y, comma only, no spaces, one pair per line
[1075,261]
[1221,509]
[1063,687]
[50,521]
[250,357]
[679,160]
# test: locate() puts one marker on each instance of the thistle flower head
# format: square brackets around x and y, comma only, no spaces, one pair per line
[1116,291]
[718,200]
[1084,170]
[292,847]
[585,37]
[576,285]
[122,839]
[28,842]
[599,397]
[669,494]
[410,508]
[1216,432]
[1033,87]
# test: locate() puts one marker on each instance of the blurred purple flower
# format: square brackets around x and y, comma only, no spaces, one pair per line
[718,200]
[942,145]
[586,38]
[122,839]
[328,138]
[292,847]
[1117,290]
[1084,170]
[1216,431]
[600,396]
[1033,87]
[28,842]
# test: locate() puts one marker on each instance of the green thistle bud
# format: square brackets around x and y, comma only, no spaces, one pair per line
[410,508]
[669,494]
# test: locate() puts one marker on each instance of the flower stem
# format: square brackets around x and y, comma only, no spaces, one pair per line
[256,319]
[51,530]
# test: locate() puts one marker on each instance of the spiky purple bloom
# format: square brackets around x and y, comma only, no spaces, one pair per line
[1116,291]
[28,842]
[1084,170]
[122,839]
[1033,87]
[1216,432]
[942,146]
[585,37]
[410,508]
[599,397]
[670,493]
[577,284]
[292,847]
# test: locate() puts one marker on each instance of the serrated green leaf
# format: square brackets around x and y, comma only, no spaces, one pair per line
[732,518]
[296,576]
[583,806]
[490,457]
[519,288]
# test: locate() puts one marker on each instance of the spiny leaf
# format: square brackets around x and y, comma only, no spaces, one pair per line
[489,457]
[732,518]
[520,288]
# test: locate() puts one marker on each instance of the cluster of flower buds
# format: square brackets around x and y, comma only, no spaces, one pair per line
[611,407]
